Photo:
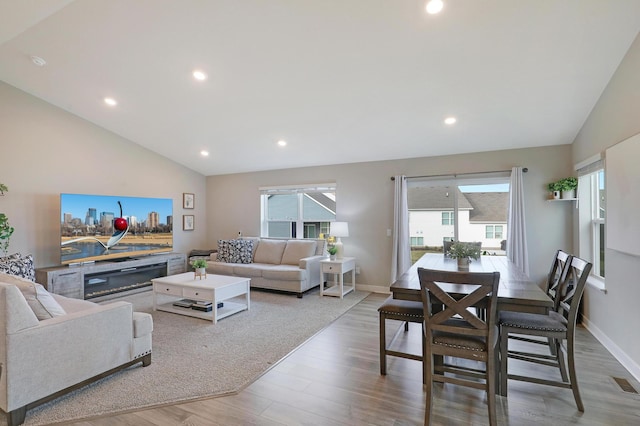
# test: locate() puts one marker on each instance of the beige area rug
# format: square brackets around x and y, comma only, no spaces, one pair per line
[193,358]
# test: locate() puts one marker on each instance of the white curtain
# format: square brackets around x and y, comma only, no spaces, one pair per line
[516,229]
[401,260]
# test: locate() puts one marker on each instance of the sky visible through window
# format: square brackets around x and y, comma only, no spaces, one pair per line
[496,187]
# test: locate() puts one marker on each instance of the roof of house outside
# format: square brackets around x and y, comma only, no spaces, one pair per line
[316,207]
[435,198]
[488,206]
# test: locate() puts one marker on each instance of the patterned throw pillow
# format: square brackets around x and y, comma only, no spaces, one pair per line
[235,251]
[18,265]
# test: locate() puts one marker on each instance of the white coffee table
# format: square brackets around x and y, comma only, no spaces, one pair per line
[213,288]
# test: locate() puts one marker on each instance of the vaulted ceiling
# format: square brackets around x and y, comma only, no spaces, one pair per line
[340,81]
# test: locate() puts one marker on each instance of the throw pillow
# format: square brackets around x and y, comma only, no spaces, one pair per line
[18,265]
[235,251]
[40,300]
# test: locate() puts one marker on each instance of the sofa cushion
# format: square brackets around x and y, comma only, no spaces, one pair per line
[270,251]
[248,271]
[235,251]
[18,265]
[40,300]
[296,250]
[283,273]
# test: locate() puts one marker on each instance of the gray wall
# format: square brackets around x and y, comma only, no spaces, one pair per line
[365,194]
[45,151]
[612,316]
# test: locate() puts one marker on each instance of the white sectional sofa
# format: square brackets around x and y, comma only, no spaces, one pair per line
[287,265]
[50,344]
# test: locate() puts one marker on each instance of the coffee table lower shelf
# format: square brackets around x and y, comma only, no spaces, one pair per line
[213,288]
[229,308]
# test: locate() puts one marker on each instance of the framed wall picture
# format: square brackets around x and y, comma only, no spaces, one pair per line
[188,200]
[188,222]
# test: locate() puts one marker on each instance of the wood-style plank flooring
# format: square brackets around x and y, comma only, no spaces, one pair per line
[334,379]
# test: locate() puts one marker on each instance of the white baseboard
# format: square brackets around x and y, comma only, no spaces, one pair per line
[615,350]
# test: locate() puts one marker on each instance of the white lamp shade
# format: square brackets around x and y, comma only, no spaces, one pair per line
[339,229]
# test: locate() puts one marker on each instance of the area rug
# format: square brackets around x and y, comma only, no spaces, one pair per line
[193,358]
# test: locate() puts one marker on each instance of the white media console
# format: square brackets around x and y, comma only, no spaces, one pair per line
[105,279]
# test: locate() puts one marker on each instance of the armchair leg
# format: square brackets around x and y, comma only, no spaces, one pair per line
[146,360]
[16,417]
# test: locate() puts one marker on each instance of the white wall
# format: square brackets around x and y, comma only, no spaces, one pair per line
[45,151]
[364,199]
[613,316]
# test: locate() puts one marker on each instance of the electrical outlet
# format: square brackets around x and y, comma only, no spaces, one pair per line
[357,270]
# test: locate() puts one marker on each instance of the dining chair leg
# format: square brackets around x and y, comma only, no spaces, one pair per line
[429,389]
[491,388]
[561,358]
[572,373]
[383,345]
[504,355]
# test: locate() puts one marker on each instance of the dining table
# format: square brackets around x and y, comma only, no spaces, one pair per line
[516,291]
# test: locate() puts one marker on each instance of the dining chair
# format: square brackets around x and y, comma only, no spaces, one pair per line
[401,310]
[556,276]
[451,329]
[558,325]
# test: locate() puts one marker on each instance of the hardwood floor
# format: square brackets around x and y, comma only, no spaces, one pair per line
[334,379]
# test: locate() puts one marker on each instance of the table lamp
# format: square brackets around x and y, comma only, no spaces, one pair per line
[339,229]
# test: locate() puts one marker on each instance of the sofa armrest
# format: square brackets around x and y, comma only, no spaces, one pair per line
[312,265]
[65,350]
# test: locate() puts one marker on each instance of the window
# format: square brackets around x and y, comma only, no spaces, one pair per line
[592,217]
[598,204]
[493,232]
[297,212]
[417,241]
[448,218]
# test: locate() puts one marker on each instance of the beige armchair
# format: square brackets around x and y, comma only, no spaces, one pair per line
[41,359]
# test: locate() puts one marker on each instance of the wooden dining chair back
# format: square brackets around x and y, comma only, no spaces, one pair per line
[555,278]
[557,274]
[453,328]
[557,326]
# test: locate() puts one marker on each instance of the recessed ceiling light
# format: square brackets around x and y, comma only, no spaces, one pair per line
[110,101]
[199,75]
[37,60]
[204,153]
[282,143]
[434,6]
[450,121]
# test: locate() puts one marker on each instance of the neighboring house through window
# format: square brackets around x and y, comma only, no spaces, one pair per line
[466,208]
[304,211]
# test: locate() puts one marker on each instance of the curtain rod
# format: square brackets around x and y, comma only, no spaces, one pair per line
[524,170]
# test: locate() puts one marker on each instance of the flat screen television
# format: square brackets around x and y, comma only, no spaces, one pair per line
[106,227]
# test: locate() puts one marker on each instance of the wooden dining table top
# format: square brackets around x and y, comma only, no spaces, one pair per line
[516,291]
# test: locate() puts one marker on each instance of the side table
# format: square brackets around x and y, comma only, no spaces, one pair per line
[338,267]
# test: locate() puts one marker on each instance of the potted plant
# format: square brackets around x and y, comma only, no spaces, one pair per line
[554,188]
[568,187]
[3,188]
[332,252]
[5,233]
[199,265]
[464,252]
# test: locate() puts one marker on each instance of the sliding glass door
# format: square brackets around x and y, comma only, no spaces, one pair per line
[458,208]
